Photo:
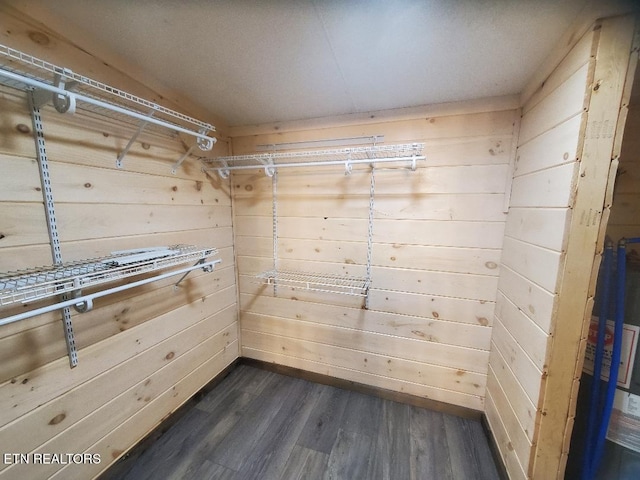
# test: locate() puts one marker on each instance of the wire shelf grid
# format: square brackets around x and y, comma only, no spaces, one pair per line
[399,151]
[29,67]
[346,285]
[39,283]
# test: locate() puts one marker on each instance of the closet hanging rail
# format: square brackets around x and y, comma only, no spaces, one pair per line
[68,90]
[411,152]
[26,286]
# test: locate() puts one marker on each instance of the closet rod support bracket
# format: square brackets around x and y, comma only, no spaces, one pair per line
[123,153]
[208,268]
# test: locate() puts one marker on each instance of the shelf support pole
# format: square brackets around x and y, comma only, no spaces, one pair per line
[50,213]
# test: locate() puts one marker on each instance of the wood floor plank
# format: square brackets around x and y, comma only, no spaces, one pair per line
[349,459]
[304,464]
[260,424]
[269,456]
[321,430]
[211,471]
[241,441]
[391,450]
[429,449]
[243,378]
[363,414]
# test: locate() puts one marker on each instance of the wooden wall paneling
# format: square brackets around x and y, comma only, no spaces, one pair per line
[475,312]
[119,441]
[378,364]
[128,339]
[460,125]
[520,443]
[554,147]
[567,100]
[523,368]
[535,301]
[547,188]
[426,180]
[437,239]
[406,232]
[32,348]
[570,323]
[471,207]
[24,393]
[418,328]
[475,287]
[539,265]
[523,407]
[542,227]
[474,402]
[410,349]
[575,59]
[66,412]
[500,433]
[526,333]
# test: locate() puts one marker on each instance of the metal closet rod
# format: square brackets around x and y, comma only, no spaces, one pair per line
[90,297]
[320,163]
[109,106]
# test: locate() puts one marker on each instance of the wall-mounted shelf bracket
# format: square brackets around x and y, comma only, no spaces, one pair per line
[123,153]
[205,268]
[176,165]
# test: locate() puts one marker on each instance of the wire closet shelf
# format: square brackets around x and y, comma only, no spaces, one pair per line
[409,152]
[31,285]
[345,285]
[69,90]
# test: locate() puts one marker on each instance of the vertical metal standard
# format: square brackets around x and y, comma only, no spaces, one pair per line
[274,212]
[43,166]
[372,189]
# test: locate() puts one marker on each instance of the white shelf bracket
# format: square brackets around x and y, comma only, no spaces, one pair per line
[123,153]
[64,101]
[348,166]
[176,165]
[205,143]
[269,168]
[224,170]
[206,268]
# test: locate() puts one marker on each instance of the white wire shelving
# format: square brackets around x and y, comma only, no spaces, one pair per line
[410,153]
[28,286]
[344,285]
[69,90]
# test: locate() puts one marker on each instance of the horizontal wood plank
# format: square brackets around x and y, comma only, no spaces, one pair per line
[543,227]
[407,232]
[470,401]
[539,265]
[417,372]
[418,328]
[426,352]
[564,102]
[553,187]
[552,148]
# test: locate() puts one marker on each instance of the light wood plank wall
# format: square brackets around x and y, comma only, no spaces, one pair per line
[546,278]
[437,235]
[143,352]
[541,196]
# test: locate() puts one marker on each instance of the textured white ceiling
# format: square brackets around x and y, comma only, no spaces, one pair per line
[255,62]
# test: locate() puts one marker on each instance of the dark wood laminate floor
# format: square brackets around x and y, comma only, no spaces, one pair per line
[261,425]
